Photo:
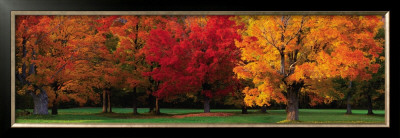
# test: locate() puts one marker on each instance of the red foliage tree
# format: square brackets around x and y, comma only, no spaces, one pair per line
[196,56]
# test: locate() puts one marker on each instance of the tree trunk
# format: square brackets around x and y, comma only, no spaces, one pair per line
[293,103]
[264,109]
[104,101]
[109,101]
[40,102]
[282,63]
[157,112]
[348,104]
[349,99]
[206,104]
[206,100]
[151,103]
[369,105]
[54,109]
[244,109]
[134,102]
[32,65]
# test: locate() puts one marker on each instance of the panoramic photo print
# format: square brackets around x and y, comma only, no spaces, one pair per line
[200,69]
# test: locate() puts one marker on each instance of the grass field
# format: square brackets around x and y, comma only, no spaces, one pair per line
[124,115]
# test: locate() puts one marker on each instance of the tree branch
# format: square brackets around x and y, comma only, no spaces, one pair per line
[42,36]
[298,31]
[70,58]
[290,68]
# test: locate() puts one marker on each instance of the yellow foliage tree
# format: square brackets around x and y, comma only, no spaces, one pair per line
[286,55]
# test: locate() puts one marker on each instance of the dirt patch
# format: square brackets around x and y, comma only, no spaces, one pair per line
[202,114]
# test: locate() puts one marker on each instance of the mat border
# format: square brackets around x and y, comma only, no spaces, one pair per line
[386,14]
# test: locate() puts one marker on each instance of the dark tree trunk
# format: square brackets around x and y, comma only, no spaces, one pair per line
[206,104]
[369,105]
[244,109]
[151,103]
[157,111]
[157,106]
[264,109]
[23,74]
[206,100]
[40,102]
[349,93]
[32,65]
[104,101]
[134,105]
[109,101]
[54,109]
[282,63]
[348,109]
[292,107]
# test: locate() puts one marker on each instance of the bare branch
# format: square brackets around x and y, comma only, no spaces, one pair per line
[266,38]
[298,31]
[290,68]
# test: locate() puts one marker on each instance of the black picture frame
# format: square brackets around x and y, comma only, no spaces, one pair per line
[146,5]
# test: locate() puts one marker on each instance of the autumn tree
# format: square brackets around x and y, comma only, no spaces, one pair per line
[105,62]
[237,97]
[369,89]
[287,55]
[27,38]
[132,33]
[375,87]
[196,57]
[56,69]
[355,51]
[148,23]
[122,62]
[72,44]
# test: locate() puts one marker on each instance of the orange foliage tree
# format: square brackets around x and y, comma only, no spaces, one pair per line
[27,40]
[59,71]
[287,55]
[122,64]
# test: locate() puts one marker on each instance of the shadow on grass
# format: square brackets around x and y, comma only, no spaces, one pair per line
[377,115]
[366,115]
[131,115]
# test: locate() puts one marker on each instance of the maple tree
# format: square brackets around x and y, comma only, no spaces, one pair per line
[375,87]
[26,41]
[366,89]
[123,62]
[355,50]
[237,97]
[196,57]
[287,55]
[132,35]
[147,24]
[57,66]
[105,61]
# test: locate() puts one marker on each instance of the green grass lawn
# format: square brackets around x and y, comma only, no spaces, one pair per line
[124,115]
